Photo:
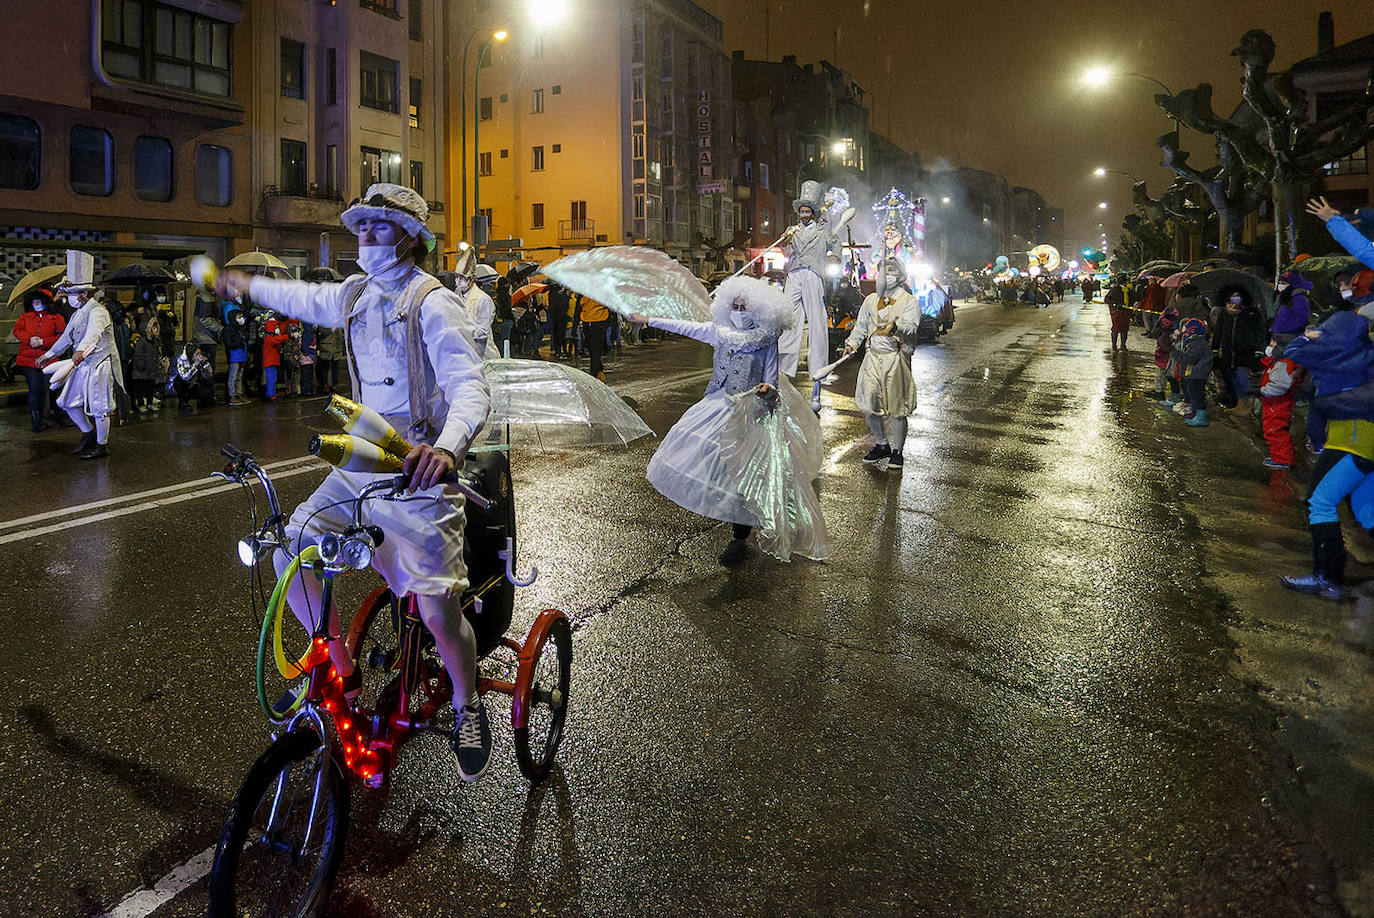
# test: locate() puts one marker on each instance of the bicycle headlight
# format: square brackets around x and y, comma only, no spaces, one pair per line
[328,545]
[254,548]
[357,551]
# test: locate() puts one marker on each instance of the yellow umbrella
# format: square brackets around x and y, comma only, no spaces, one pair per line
[257,260]
[48,274]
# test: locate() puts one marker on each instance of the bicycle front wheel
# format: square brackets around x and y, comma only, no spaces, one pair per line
[282,844]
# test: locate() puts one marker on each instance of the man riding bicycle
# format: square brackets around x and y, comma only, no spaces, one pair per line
[410,351]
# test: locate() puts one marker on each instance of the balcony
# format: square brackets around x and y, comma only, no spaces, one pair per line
[576,230]
[315,208]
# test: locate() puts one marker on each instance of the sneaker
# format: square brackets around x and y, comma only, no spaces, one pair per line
[735,552]
[880,453]
[895,461]
[1169,402]
[1313,585]
[471,741]
[1182,408]
[1271,464]
[86,444]
[98,451]
[1313,449]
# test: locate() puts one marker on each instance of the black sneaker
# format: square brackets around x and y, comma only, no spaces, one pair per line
[734,552]
[895,461]
[87,442]
[98,451]
[471,741]
[880,453]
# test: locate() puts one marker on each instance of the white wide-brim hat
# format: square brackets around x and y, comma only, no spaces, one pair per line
[396,204]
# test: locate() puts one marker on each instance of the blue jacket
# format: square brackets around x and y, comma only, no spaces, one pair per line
[1341,358]
[1352,240]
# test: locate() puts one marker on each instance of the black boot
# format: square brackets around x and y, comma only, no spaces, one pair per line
[87,441]
[97,451]
[36,419]
[1332,553]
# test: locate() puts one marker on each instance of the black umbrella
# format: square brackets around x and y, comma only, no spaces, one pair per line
[1212,284]
[1208,264]
[140,274]
[521,272]
[323,275]
[1159,268]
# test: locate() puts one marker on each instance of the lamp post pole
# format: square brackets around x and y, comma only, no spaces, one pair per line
[1161,85]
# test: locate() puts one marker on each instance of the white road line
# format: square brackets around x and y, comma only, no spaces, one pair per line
[139,508]
[143,902]
[111,501]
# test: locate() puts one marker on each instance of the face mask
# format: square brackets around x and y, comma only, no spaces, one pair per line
[741,320]
[162,299]
[38,307]
[1282,287]
[377,259]
[1347,294]
[238,319]
[1269,351]
[1234,301]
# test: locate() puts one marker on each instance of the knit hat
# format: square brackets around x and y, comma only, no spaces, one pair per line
[395,204]
[1193,328]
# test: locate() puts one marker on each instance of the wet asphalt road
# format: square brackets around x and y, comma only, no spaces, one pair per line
[1047,671]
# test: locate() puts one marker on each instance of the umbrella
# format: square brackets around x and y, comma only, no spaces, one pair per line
[521,272]
[46,275]
[1176,280]
[1208,264]
[1159,268]
[323,275]
[526,292]
[258,263]
[1211,283]
[557,406]
[140,274]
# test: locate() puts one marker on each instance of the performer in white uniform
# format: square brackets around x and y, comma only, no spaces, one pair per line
[91,391]
[412,357]
[809,244]
[886,392]
[749,451]
[480,308]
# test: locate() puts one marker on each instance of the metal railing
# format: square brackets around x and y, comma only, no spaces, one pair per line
[572,230]
[311,191]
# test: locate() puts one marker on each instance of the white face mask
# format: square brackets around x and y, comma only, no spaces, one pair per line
[1269,351]
[741,319]
[38,307]
[238,319]
[1282,287]
[162,299]
[1347,294]
[377,259]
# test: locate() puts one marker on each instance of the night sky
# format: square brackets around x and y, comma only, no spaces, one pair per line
[994,85]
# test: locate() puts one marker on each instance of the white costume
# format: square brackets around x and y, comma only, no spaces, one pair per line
[91,386]
[733,457]
[423,549]
[481,310]
[885,386]
[809,250]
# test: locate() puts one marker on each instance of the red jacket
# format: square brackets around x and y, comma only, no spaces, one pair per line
[47,325]
[277,332]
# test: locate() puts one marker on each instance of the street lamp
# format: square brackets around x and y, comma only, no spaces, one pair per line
[1099,77]
[498,35]
[1102,205]
[1101,171]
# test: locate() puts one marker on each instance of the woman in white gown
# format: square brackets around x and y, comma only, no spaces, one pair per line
[749,451]
[886,391]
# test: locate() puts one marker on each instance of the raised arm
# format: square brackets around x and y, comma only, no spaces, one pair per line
[704,332]
[318,304]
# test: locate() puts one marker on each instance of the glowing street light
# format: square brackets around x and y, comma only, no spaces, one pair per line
[1102,171]
[1101,205]
[545,13]
[840,148]
[1096,77]
[944,200]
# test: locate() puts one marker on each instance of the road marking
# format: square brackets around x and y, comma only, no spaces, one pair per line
[111,501]
[146,505]
[143,902]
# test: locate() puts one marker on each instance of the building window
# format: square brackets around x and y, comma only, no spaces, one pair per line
[153,169]
[214,175]
[763,177]
[141,40]
[331,168]
[537,47]
[558,148]
[377,82]
[536,216]
[293,181]
[484,108]
[417,15]
[505,97]
[1356,163]
[416,91]
[21,152]
[331,76]
[536,101]
[91,161]
[578,214]
[485,214]
[380,166]
[417,177]
[537,159]
[484,164]
[557,89]
[385,7]
[292,69]
[639,207]
[505,153]
[637,143]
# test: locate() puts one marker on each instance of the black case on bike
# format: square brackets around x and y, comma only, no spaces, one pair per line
[485,535]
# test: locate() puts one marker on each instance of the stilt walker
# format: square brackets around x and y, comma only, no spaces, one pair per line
[810,244]
[886,391]
[93,386]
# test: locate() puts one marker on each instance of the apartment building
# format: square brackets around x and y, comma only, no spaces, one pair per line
[610,126]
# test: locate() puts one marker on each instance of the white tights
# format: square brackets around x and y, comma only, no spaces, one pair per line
[83,424]
[888,430]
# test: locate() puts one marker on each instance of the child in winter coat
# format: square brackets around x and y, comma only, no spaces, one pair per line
[277,333]
[1194,358]
[1279,387]
[1164,345]
[146,370]
[1294,309]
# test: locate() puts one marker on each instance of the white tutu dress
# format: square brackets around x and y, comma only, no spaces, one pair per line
[735,457]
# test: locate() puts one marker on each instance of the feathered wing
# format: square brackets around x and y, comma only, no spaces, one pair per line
[630,279]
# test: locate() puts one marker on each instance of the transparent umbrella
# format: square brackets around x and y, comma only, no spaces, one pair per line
[552,406]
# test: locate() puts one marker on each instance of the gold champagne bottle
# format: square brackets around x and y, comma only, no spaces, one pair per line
[354,454]
[362,421]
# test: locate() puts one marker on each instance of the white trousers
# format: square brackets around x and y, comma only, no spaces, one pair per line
[807,291]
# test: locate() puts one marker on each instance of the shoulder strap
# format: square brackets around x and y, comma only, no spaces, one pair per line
[417,361]
[350,300]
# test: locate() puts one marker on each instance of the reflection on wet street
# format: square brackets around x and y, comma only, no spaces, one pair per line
[1046,672]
